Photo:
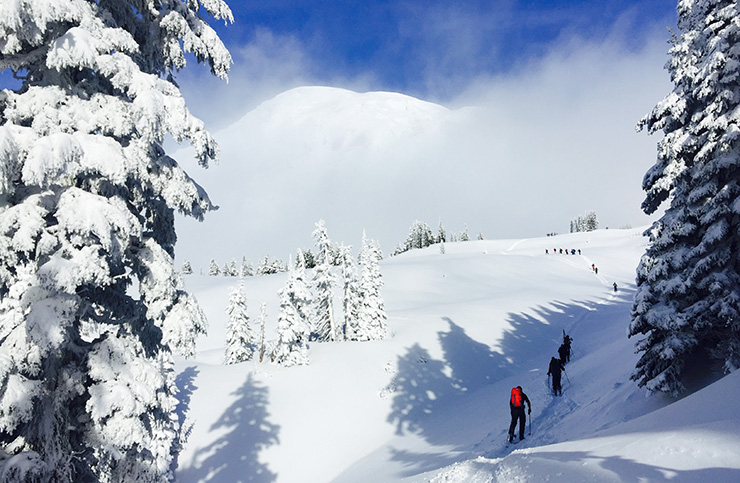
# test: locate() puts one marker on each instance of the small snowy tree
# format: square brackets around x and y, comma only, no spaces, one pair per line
[239,334]
[351,296]
[187,269]
[323,284]
[372,317]
[247,270]
[213,270]
[464,235]
[291,347]
[263,318]
[441,233]
[90,308]
[687,303]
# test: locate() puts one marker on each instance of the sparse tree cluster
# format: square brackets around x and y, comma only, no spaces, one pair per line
[421,236]
[306,306]
[587,222]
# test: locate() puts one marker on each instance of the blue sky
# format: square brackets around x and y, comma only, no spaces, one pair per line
[432,50]
[404,45]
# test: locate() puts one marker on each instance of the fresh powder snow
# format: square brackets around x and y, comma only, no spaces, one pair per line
[430,402]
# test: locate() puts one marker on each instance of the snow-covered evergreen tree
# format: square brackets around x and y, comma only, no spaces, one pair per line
[263,319]
[187,269]
[291,347]
[239,335]
[247,270]
[90,312]
[441,233]
[213,269]
[372,317]
[464,235]
[687,303]
[326,328]
[351,299]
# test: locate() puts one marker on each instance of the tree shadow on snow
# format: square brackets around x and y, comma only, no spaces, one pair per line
[185,382]
[622,469]
[430,396]
[235,455]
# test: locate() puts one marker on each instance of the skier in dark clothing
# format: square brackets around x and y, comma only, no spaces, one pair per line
[556,366]
[563,352]
[566,342]
[516,404]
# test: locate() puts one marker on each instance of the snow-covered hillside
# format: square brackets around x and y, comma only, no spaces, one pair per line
[431,403]
[377,161]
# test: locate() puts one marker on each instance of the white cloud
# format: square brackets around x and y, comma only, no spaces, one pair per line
[541,145]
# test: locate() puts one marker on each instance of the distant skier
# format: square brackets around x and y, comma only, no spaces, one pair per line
[596,270]
[563,352]
[516,404]
[579,251]
[615,286]
[556,367]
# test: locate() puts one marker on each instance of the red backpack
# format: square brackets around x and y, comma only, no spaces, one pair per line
[516,397]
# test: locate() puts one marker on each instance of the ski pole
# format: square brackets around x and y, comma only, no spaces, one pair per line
[566,375]
[530,424]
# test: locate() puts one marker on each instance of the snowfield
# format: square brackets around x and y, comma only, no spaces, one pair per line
[431,402]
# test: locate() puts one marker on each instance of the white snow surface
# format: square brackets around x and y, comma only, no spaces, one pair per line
[430,404]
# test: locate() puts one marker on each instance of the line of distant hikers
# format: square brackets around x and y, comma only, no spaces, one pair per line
[518,398]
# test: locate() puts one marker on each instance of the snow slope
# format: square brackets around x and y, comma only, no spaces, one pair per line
[431,403]
[377,161]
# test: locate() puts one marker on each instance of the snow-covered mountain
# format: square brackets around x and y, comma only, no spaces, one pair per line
[431,403]
[377,161]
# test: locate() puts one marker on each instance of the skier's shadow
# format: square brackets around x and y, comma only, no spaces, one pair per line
[235,455]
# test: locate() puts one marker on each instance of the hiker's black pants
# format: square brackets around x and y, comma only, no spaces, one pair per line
[557,388]
[518,414]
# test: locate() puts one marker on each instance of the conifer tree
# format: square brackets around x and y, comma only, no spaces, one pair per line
[247,270]
[239,334]
[687,304]
[214,270]
[372,316]
[351,300]
[326,328]
[263,319]
[187,269]
[441,233]
[90,308]
[291,347]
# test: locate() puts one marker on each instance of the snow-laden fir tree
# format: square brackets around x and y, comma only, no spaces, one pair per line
[326,327]
[372,317]
[247,270]
[90,312]
[240,339]
[291,347]
[351,299]
[263,319]
[464,235]
[213,269]
[687,303]
[441,233]
[187,269]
